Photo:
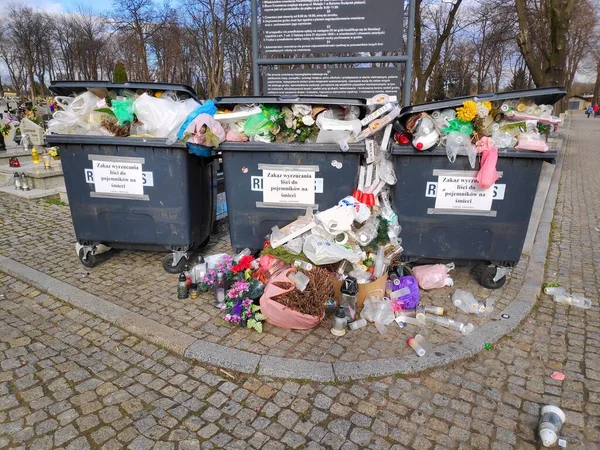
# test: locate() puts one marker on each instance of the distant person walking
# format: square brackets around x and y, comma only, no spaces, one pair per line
[589,110]
[596,108]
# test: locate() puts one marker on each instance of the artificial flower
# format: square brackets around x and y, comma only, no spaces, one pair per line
[243,265]
[308,121]
[467,112]
[487,104]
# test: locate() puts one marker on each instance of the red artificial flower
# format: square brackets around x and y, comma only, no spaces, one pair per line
[244,264]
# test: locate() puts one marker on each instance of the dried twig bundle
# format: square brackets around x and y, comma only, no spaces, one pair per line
[312,300]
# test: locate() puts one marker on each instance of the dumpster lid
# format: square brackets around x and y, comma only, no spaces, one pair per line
[545,96]
[291,99]
[67,88]
[549,156]
[541,96]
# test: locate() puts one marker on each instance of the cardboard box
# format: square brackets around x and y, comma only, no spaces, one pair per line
[363,289]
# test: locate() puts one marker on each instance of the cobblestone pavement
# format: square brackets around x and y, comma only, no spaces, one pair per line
[41,236]
[69,380]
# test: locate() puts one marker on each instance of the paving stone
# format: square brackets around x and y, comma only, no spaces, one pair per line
[65,434]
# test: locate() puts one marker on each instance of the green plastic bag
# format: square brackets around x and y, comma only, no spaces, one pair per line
[123,110]
[459,126]
[263,123]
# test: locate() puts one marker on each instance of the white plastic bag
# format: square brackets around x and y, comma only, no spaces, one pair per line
[322,252]
[78,115]
[460,144]
[337,219]
[163,117]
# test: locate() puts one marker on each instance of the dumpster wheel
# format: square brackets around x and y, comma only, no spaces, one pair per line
[168,264]
[89,261]
[486,277]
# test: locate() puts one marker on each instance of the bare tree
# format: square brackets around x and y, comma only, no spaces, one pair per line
[543,38]
[442,18]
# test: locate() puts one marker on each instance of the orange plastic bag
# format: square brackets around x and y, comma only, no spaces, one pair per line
[281,316]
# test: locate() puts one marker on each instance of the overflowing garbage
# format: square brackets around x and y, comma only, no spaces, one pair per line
[343,261]
[480,128]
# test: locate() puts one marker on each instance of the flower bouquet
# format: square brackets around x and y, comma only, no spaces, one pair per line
[240,308]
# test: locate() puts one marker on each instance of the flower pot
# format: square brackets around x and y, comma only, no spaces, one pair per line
[56,158]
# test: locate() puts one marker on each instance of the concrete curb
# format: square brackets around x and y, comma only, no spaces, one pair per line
[182,344]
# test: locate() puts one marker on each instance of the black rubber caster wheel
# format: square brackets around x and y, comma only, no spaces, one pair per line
[90,261]
[168,264]
[486,278]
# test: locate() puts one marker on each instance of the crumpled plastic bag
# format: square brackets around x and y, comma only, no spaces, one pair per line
[264,123]
[294,246]
[337,219]
[123,110]
[406,295]
[321,252]
[487,174]
[433,276]
[460,144]
[235,136]
[531,141]
[281,316]
[163,117]
[205,130]
[78,115]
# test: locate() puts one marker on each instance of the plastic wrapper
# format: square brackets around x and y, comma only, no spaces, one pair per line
[235,136]
[337,219]
[294,246]
[433,276]
[205,130]
[377,310]
[502,139]
[531,141]
[163,117]
[361,211]
[487,174]
[460,144]
[322,252]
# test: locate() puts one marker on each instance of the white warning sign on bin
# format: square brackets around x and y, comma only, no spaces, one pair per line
[460,190]
[118,177]
[288,185]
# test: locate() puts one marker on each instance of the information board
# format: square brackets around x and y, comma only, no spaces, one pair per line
[117,177]
[288,186]
[350,82]
[320,26]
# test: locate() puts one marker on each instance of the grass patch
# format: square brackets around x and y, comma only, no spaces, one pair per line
[55,201]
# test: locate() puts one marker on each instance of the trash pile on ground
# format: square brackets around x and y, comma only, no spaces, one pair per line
[343,260]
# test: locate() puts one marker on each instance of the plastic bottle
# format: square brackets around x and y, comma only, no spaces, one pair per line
[560,295]
[240,255]
[299,279]
[466,302]
[360,323]
[379,262]
[437,310]
[452,324]
[368,232]
[551,422]
[419,350]
[423,342]
[299,264]
[199,270]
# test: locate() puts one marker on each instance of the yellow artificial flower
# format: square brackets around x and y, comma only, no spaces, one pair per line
[488,105]
[467,112]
